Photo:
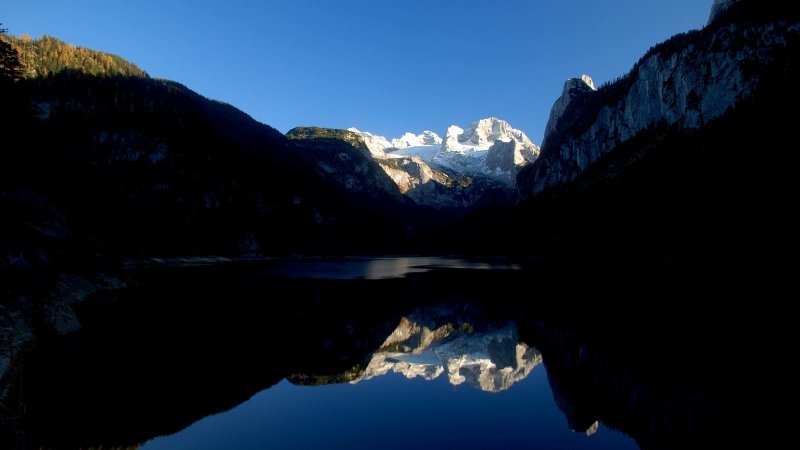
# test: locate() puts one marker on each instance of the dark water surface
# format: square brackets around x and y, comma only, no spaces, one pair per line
[394,353]
[393,412]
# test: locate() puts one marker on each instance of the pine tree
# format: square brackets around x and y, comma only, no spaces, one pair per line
[10,68]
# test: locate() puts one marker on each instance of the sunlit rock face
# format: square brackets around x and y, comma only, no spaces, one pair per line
[574,89]
[489,148]
[491,360]
[425,185]
[686,82]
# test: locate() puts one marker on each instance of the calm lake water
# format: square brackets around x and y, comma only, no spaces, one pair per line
[405,352]
[394,412]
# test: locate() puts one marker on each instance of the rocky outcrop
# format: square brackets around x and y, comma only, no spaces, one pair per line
[685,82]
[504,158]
[22,319]
[575,89]
[424,185]
[719,7]
[343,157]
[433,188]
[375,144]
[489,147]
[407,173]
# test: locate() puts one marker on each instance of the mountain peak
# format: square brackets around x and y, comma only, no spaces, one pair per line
[480,135]
[573,85]
[574,88]
[379,145]
[587,80]
[489,148]
[685,82]
[409,139]
[376,145]
[719,7]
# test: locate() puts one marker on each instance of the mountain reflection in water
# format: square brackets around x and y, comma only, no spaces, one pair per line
[384,400]
[187,344]
[422,346]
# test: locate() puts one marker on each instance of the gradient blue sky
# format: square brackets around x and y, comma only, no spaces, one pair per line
[382,66]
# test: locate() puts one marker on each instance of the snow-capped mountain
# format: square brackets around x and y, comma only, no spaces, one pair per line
[411,140]
[377,145]
[482,134]
[489,148]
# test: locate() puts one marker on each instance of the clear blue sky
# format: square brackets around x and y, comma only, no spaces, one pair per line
[383,66]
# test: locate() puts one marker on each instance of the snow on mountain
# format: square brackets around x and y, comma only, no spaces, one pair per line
[451,142]
[488,148]
[377,145]
[416,140]
[482,134]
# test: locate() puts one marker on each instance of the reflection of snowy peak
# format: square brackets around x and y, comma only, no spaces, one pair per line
[489,360]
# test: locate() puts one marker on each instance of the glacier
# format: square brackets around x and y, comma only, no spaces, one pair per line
[488,148]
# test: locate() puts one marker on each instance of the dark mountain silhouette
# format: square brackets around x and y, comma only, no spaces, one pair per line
[104,160]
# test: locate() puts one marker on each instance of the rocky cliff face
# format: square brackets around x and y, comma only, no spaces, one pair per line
[686,82]
[483,133]
[376,145]
[348,158]
[488,147]
[344,157]
[427,186]
[719,7]
[575,89]
[467,167]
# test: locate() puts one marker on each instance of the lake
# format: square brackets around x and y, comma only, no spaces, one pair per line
[395,352]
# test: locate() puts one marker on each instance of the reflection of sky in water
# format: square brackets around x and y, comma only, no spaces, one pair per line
[391,412]
[376,268]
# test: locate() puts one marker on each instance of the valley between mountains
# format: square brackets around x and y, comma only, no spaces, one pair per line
[686,159]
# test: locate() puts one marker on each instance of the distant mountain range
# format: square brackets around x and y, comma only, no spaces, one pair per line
[466,167]
[488,148]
